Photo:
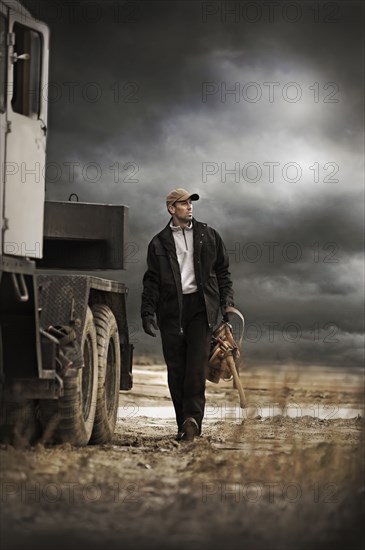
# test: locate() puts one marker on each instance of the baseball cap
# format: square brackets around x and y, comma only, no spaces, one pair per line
[180,194]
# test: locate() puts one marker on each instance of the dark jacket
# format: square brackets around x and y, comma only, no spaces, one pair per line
[162,291]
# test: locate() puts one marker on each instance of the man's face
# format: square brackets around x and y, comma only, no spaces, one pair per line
[183,211]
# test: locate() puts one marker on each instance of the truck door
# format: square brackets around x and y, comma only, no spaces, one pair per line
[25,147]
[3,92]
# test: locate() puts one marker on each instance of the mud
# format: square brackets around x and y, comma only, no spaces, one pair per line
[254,480]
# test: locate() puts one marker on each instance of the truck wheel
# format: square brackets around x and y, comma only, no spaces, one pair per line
[71,417]
[109,374]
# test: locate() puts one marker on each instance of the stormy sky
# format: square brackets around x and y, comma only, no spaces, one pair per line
[258,107]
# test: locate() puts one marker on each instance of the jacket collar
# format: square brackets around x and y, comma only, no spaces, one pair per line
[167,238]
[177,228]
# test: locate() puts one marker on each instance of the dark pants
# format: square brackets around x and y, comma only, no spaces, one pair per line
[186,357]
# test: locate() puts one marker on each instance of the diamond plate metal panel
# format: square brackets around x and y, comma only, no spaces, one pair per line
[63,300]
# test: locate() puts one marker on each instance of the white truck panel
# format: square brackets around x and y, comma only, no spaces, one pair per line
[3,30]
[24,188]
[25,150]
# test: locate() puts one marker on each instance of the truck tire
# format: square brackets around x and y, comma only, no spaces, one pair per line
[109,374]
[70,418]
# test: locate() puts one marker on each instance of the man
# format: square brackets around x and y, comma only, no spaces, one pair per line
[186,284]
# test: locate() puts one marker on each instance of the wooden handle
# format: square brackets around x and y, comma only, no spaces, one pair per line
[237,380]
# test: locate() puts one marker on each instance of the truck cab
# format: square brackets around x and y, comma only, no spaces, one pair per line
[64,339]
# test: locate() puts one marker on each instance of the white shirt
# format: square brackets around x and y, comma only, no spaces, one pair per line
[184,250]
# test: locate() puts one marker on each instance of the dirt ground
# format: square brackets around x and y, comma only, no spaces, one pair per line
[286,473]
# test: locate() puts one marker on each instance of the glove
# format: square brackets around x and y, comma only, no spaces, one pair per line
[224,313]
[148,323]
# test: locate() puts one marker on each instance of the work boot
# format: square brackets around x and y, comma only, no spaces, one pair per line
[180,434]
[190,429]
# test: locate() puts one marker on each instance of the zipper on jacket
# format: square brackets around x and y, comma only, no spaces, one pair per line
[186,244]
[179,298]
[200,282]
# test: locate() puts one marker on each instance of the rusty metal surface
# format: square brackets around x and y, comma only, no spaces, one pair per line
[63,299]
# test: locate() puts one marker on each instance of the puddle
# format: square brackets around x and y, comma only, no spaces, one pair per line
[235,413]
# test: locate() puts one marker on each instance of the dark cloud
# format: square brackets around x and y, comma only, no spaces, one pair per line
[142,90]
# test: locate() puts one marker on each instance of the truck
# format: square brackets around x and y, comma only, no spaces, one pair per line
[65,350]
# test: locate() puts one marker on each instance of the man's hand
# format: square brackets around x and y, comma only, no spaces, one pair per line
[148,323]
[225,309]
[224,313]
